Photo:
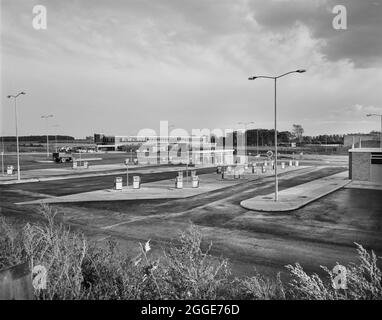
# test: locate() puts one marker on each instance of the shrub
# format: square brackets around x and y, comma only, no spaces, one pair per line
[191,273]
[363,281]
[259,287]
[78,269]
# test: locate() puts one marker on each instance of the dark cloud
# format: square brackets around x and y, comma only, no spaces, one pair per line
[361,43]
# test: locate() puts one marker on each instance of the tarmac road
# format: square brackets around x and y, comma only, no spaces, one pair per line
[85,184]
[321,233]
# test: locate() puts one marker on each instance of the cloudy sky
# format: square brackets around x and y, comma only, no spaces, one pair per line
[119,66]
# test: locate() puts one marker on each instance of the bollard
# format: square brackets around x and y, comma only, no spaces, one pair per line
[118,183]
[179,182]
[282,165]
[296,163]
[9,170]
[263,169]
[136,182]
[265,163]
[195,182]
[290,163]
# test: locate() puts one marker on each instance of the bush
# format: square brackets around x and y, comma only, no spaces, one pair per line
[190,273]
[78,269]
[363,281]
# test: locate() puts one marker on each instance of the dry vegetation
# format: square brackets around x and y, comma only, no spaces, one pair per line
[78,269]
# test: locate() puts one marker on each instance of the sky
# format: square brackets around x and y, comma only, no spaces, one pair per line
[119,66]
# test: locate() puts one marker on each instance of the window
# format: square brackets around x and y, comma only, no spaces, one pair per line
[376,158]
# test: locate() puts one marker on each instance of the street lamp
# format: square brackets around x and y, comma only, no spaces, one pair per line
[275,80]
[377,115]
[46,117]
[17,135]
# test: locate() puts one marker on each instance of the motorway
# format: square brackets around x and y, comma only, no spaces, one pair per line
[321,233]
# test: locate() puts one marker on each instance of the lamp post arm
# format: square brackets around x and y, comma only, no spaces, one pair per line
[285,74]
[261,77]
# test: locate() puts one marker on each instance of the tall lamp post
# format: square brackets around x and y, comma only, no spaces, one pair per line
[46,117]
[17,135]
[275,81]
[377,115]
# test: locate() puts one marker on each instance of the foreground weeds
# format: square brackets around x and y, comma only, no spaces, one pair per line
[78,269]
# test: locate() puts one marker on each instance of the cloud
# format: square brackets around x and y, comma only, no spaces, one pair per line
[361,43]
[137,61]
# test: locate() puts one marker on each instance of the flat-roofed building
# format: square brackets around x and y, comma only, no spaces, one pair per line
[168,149]
[365,164]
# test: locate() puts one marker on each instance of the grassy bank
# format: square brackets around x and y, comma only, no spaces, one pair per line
[79,269]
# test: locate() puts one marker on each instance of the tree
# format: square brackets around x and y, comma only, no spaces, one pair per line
[298,132]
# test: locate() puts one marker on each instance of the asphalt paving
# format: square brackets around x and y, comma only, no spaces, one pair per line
[321,233]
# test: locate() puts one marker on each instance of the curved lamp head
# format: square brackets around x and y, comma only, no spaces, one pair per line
[252,78]
[301,70]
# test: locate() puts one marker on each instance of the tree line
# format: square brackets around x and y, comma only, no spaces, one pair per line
[37,139]
[266,137]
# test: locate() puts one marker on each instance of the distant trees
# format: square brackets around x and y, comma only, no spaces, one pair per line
[266,137]
[326,139]
[37,139]
[297,132]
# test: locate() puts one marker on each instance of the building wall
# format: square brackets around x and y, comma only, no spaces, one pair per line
[360,167]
